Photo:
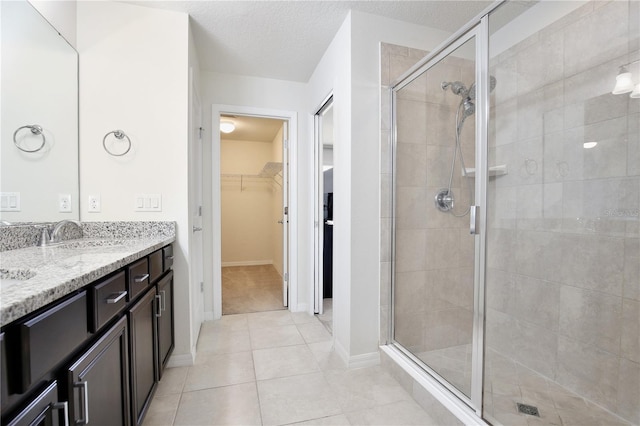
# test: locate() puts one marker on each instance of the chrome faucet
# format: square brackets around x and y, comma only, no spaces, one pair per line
[51,235]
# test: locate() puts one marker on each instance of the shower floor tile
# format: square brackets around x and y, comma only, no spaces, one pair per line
[508,383]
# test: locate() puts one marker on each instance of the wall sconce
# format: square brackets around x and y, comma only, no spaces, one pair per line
[227,126]
[624,82]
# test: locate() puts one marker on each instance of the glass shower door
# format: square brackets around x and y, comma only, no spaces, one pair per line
[434,191]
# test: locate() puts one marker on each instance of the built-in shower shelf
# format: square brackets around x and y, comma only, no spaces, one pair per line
[493,171]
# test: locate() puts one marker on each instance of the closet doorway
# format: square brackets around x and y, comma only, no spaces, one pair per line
[252,206]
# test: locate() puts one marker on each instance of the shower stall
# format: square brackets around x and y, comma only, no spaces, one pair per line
[515,215]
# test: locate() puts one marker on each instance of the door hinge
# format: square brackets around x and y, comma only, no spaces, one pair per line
[200,132]
[286,210]
[286,276]
[201,286]
[199,210]
[286,144]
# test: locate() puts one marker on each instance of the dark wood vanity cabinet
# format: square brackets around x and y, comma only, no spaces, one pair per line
[45,409]
[98,381]
[97,355]
[165,320]
[143,349]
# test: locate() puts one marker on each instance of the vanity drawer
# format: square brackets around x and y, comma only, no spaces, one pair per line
[138,278]
[108,297]
[155,265]
[167,254]
[50,337]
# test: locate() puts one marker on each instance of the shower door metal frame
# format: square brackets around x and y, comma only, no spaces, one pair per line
[477,29]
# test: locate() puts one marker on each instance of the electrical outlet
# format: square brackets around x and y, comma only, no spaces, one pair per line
[94,203]
[64,203]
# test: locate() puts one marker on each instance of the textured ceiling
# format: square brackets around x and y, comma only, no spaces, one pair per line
[285,39]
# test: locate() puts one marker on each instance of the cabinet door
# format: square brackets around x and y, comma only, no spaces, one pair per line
[143,343]
[42,410]
[98,382]
[165,320]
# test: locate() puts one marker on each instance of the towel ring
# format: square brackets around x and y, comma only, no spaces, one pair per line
[36,130]
[119,134]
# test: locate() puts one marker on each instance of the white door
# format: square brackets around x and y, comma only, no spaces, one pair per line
[323,122]
[195,210]
[285,213]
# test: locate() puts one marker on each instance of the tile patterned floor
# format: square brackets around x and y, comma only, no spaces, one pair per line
[277,368]
[251,289]
[508,383]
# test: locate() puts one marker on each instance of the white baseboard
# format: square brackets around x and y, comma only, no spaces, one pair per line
[248,263]
[183,360]
[357,361]
[208,316]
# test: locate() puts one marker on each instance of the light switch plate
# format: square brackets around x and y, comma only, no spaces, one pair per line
[147,202]
[10,201]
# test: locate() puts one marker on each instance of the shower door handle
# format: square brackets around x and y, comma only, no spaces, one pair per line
[472,220]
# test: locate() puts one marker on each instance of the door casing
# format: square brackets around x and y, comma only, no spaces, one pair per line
[289,156]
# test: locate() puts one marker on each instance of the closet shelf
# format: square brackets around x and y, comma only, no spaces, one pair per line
[269,170]
[493,171]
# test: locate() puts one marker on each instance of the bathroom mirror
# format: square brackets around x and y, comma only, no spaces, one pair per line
[39,87]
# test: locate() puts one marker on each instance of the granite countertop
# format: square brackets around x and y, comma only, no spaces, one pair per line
[33,277]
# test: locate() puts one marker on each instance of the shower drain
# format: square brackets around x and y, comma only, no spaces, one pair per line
[528,409]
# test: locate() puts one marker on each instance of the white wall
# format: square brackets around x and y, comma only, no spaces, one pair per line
[266,94]
[134,63]
[246,203]
[350,68]
[333,75]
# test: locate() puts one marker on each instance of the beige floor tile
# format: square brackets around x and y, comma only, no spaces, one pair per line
[286,335]
[326,356]
[340,420]
[314,332]
[216,370]
[284,361]
[295,399]
[172,381]
[302,317]
[362,388]
[223,341]
[235,322]
[162,410]
[397,414]
[229,405]
[269,319]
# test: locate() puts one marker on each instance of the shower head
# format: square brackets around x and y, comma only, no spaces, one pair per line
[456,87]
[469,108]
[471,94]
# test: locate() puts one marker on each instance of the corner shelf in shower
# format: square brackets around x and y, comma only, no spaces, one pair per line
[493,171]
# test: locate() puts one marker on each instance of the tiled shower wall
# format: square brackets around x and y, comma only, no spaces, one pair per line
[563,252]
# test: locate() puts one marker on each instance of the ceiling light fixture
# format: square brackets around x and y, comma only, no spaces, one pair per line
[589,145]
[624,82]
[227,126]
